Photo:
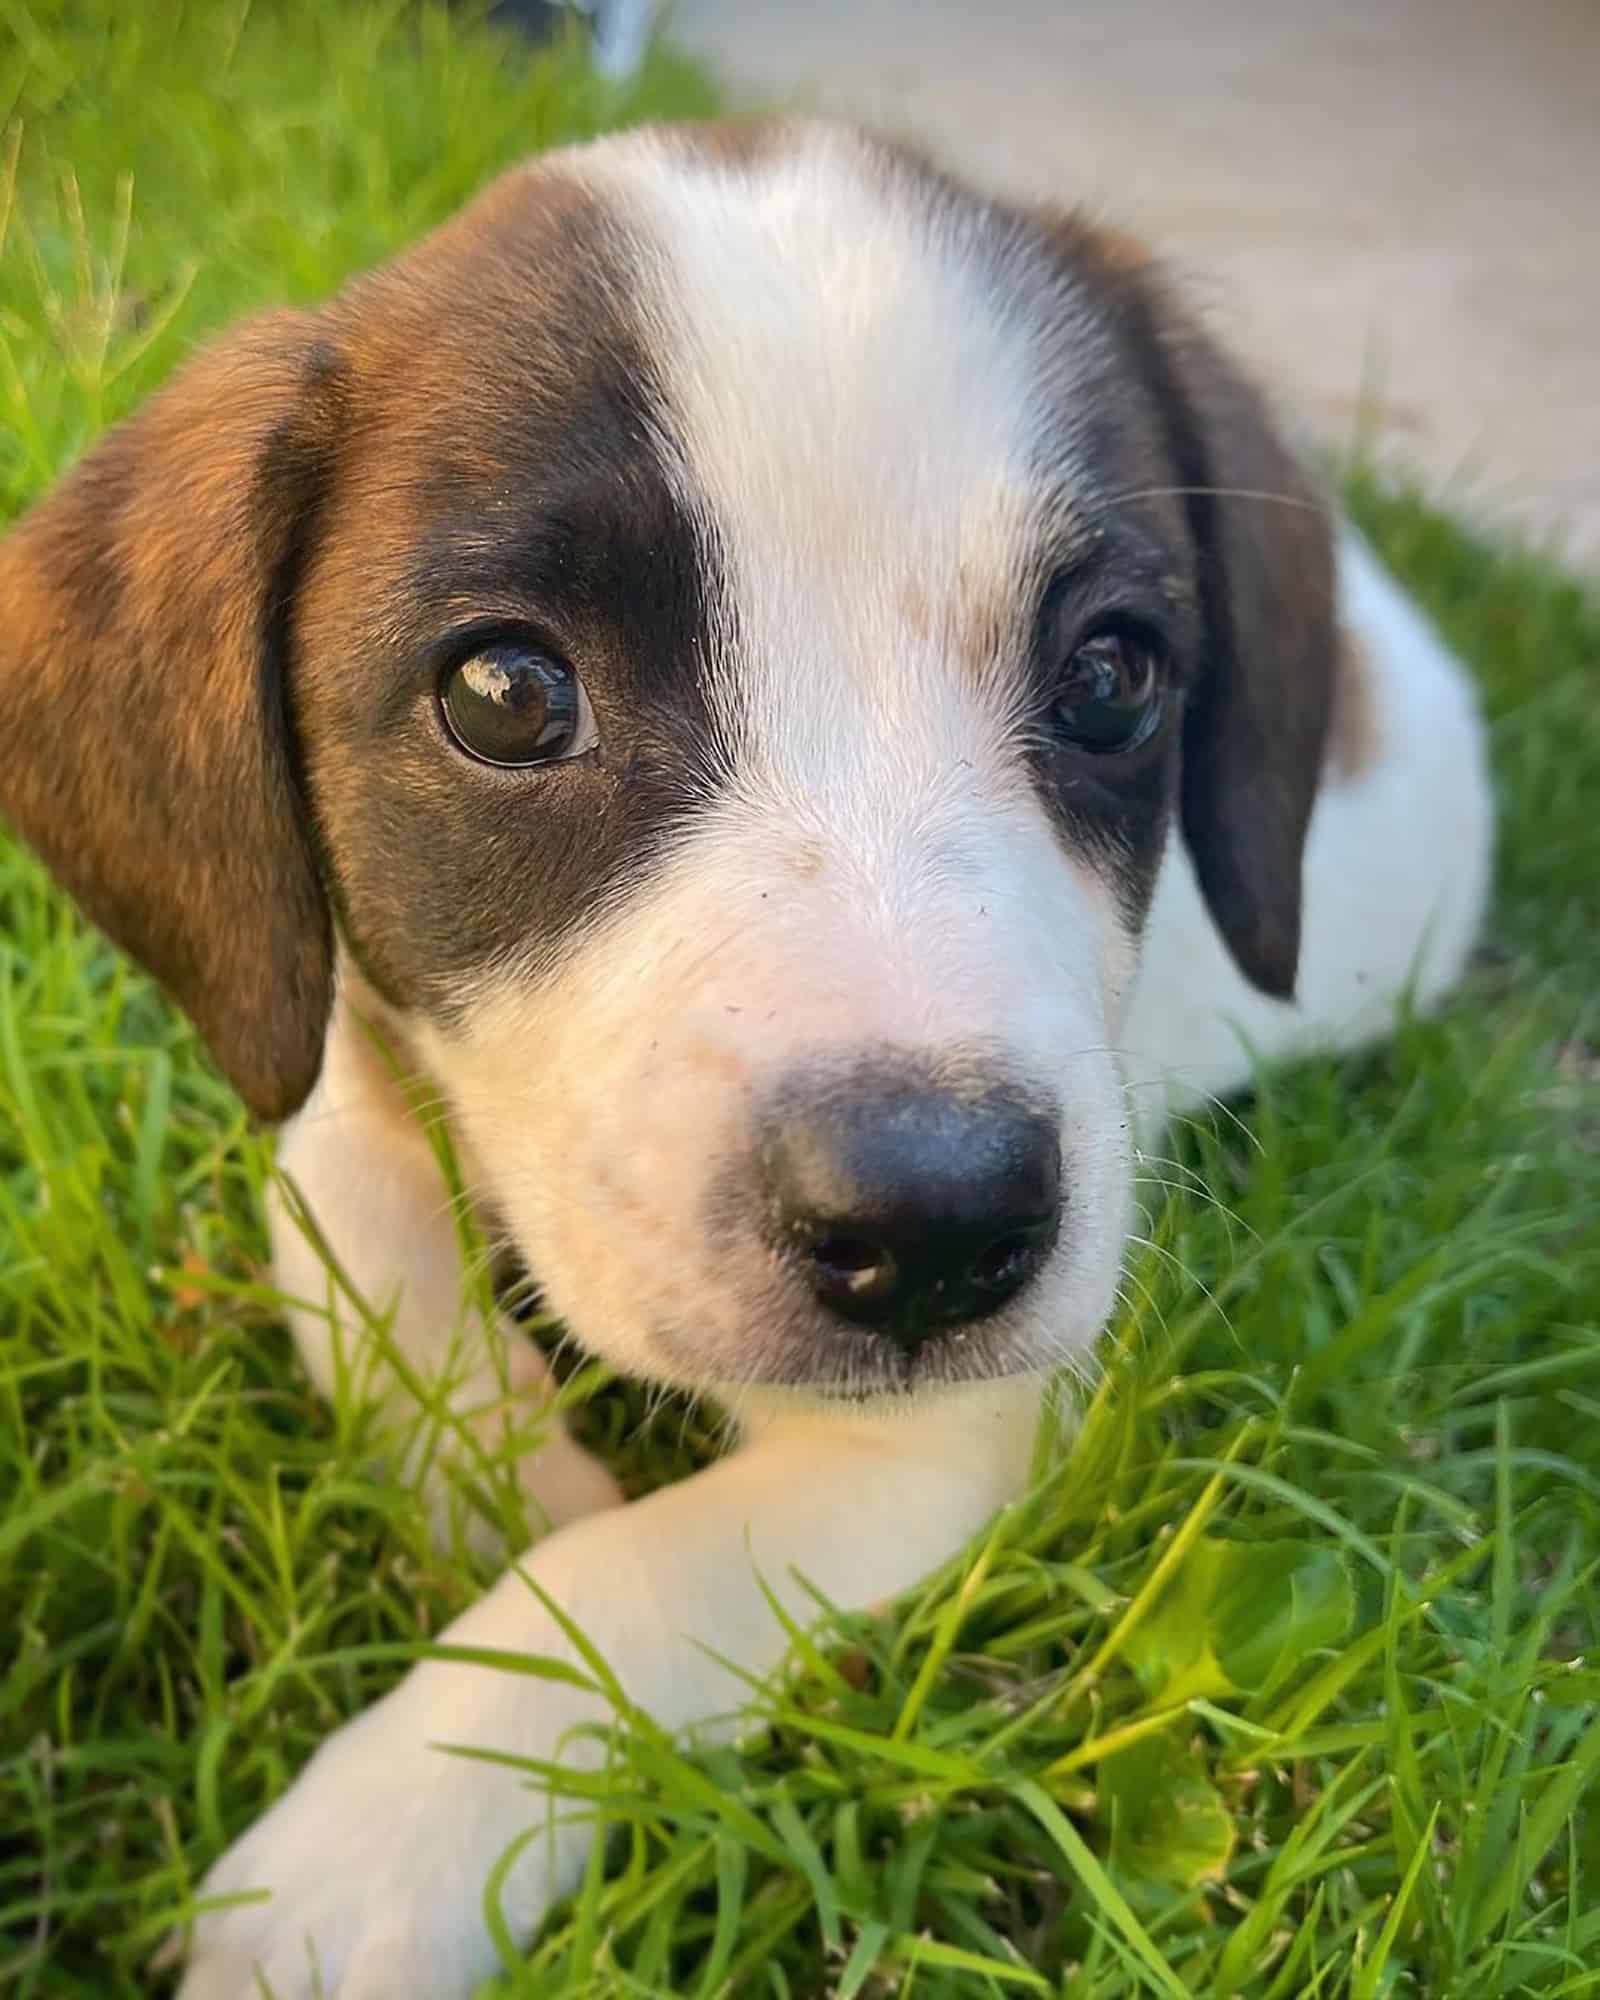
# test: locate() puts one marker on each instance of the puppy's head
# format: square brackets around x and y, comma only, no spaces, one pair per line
[718,634]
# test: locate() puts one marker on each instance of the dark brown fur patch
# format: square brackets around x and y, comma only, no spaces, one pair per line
[507,467]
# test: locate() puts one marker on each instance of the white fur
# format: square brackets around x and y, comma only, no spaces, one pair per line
[846,889]
[395,1318]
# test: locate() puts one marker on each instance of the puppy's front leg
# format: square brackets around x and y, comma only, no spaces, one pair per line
[365,1170]
[377,1858]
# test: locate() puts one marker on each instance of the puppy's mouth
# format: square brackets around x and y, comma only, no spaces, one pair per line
[847,1367]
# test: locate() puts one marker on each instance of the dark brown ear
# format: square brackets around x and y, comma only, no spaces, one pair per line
[1257,722]
[145,740]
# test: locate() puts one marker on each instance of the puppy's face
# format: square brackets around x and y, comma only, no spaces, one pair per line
[718,634]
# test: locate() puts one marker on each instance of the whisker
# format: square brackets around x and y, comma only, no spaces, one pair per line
[1189,1277]
[473,1196]
[1151,1304]
[1220,1104]
[1267,496]
[1198,1190]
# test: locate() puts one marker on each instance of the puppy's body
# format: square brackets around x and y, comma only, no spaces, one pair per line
[808,706]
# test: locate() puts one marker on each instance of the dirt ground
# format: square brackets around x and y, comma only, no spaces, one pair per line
[1393,208]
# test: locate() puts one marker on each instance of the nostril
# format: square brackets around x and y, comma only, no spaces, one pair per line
[1004,1263]
[847,1255]
[852,1265]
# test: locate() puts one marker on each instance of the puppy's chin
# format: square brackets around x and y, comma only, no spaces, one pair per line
[790,1351]
[863,1369]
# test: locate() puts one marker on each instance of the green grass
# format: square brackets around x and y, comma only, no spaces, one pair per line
[1277,1684]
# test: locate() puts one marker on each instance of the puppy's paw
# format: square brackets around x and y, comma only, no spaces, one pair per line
[367,1878]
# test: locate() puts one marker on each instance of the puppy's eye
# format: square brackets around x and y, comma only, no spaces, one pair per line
[1109,699]
[511,704]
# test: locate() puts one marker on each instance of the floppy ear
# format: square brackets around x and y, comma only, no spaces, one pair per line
[146,748]
[1257,722]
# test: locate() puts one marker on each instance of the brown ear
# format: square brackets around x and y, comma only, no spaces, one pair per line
[145,738]
[1257,722]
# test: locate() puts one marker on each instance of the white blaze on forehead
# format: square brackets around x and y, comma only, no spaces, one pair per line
[854,391]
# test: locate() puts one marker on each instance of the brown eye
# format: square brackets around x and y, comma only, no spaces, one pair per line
[1109,698]
[513,705]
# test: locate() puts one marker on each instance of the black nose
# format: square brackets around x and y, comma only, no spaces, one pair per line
[908,1206]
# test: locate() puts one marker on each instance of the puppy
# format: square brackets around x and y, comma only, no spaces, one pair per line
[801,700]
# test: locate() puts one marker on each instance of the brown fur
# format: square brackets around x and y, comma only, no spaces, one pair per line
[144,744]
[1355,739]
[731,142]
